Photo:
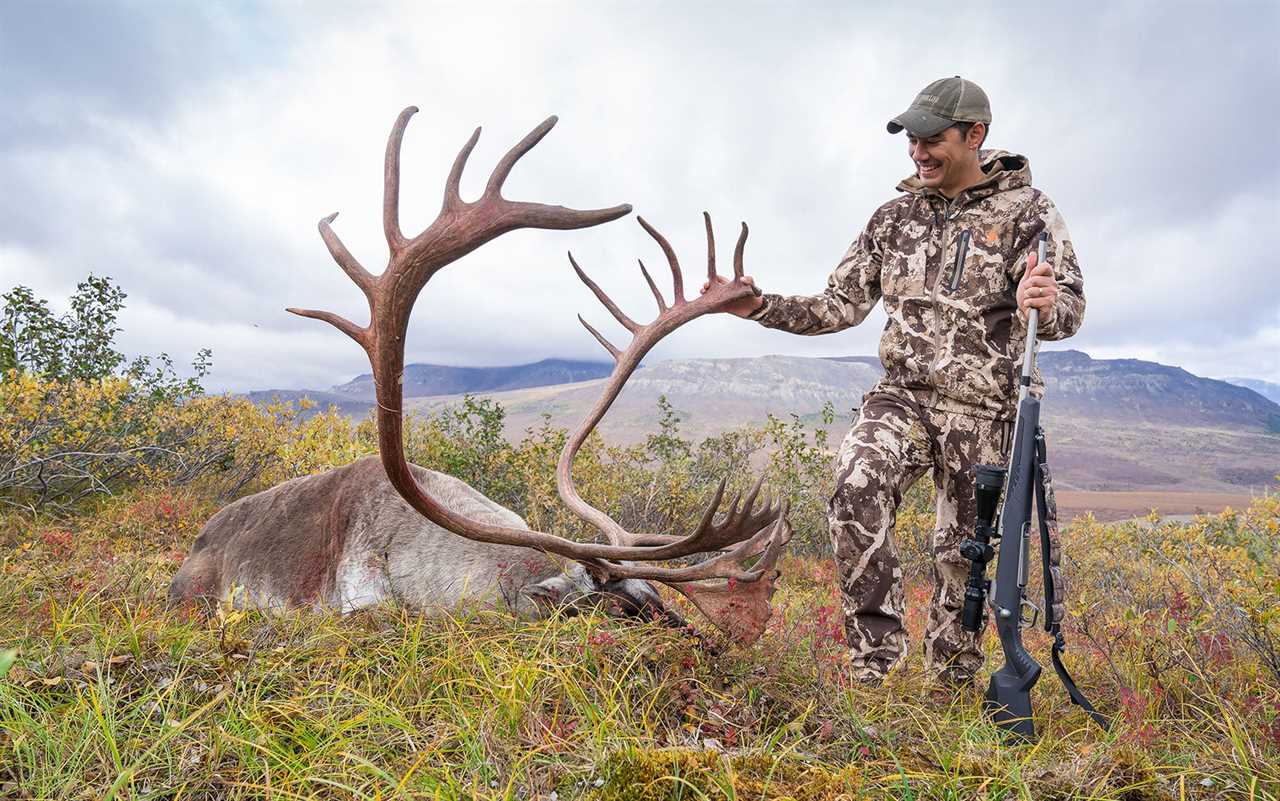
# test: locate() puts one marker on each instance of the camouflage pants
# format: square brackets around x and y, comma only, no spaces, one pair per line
[894,441]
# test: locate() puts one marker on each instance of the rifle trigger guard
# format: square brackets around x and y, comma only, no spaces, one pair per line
[1035,615]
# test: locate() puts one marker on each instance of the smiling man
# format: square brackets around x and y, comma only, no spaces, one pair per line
[953,258]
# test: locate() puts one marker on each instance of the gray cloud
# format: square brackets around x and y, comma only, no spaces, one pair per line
[69,64]
[189,150]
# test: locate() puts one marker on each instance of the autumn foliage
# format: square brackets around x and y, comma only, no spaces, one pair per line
[105,480]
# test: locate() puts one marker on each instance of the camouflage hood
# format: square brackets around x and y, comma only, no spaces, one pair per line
[1004,170]
[947,271]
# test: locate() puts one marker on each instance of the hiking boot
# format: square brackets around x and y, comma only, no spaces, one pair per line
[950,686]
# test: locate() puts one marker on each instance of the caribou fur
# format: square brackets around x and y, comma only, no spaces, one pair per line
[345,539]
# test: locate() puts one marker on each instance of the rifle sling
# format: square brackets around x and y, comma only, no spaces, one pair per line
[1048,557]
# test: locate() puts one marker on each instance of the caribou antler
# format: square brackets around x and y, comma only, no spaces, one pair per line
[708,536]
[730,589]
[740,609]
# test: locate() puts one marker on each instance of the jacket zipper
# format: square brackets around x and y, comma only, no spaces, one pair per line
[958,270]
[933,301]
[944,217]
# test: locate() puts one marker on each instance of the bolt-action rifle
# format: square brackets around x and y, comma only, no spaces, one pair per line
[1008,698]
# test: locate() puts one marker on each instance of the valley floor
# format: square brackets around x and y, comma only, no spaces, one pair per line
[1111,506]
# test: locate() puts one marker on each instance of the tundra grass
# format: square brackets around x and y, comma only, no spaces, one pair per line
[106,695]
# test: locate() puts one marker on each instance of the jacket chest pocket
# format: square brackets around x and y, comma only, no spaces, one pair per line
[957,266]
[976,267]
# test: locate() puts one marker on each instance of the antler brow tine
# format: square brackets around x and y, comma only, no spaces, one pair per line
[360,335]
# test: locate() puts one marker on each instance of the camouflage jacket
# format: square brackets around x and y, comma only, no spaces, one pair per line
[948,273]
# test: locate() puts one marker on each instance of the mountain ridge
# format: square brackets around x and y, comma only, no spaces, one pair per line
[440,379]
[1114,424]
[1267,389]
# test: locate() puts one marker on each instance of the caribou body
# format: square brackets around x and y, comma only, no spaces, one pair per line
[344,539]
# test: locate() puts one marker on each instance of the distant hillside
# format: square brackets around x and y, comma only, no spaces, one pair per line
[1266,389]
[438,379]
[1147,392]
[1119,424]
[709,395]
[346,405]
[1125,424]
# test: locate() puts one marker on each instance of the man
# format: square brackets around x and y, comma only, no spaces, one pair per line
[953,258]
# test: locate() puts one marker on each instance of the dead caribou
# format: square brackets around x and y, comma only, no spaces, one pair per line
[374,531]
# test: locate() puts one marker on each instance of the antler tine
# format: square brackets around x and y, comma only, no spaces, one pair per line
[540,215]
[499,175]
[726,565]
[391,182]
[708,514]
[600,338]
[736,525]
[360,335]
[662,304]
[733,506]
[737,253]
[711,249]
[626,321]
[751,496]
[677,279]
[557,218]
[744,550]
[349,264]
[452,186]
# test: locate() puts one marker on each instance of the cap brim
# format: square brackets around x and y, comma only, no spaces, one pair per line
[919,123]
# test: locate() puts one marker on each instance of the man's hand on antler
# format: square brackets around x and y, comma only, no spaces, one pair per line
[741,308]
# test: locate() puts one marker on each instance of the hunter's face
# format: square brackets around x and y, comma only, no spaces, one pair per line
[940,159]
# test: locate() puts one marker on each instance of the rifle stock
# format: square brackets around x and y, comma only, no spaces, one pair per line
[1008,698]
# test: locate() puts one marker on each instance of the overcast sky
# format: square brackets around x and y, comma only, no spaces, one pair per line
[187,150]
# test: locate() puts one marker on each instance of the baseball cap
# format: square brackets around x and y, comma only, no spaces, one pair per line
[942,104]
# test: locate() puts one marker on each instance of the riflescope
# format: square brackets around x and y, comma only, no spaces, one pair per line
[977,549]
